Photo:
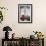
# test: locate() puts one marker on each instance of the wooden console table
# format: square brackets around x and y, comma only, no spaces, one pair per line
[23,42]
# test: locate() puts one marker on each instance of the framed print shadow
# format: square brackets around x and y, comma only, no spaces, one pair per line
[24,13]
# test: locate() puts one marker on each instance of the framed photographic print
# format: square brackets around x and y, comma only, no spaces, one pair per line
[24,13]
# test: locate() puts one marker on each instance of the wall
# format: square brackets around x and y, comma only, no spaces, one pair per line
[25,30]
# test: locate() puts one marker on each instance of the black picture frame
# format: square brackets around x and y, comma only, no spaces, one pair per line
[24,13]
